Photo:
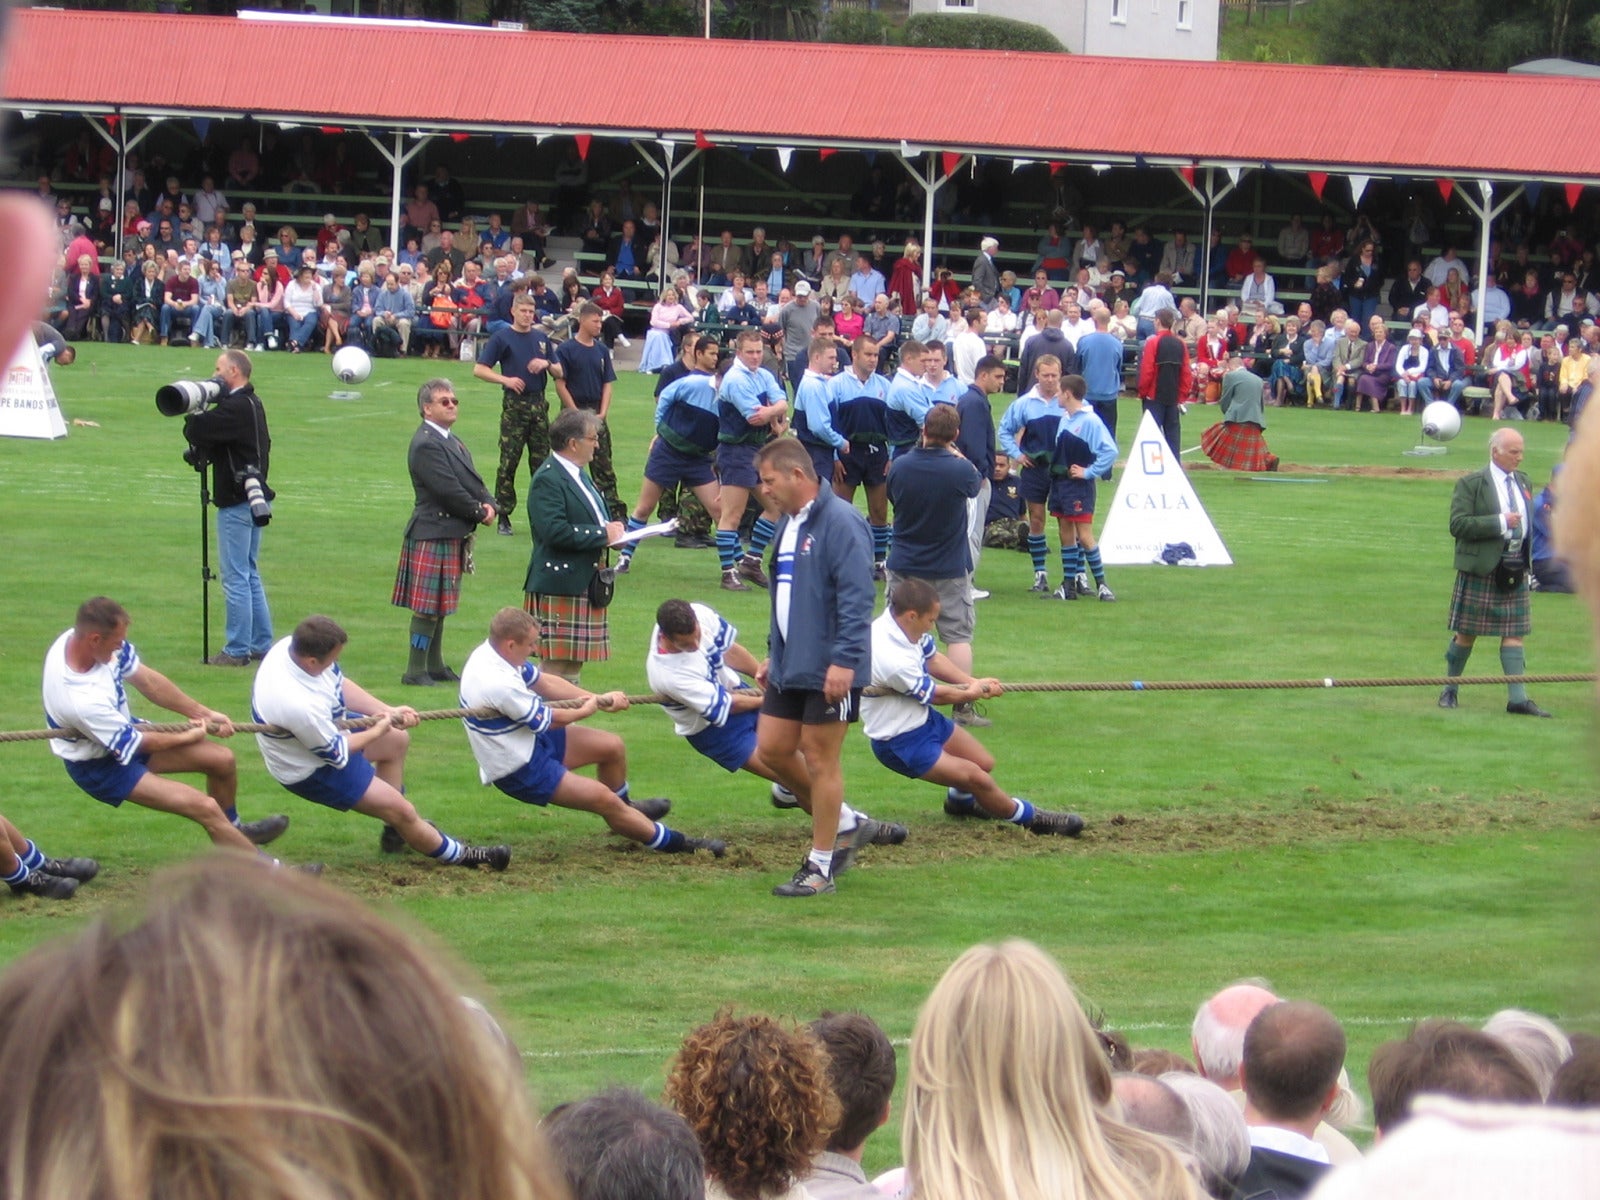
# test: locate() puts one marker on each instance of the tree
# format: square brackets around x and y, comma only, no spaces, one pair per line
[769,20]
[959,32]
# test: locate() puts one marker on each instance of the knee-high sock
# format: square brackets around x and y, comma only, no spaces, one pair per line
[1514,662]
[1071,561]
[1092,557]
[421,639]
[1455,658]
[761,535]
[1037,549]
[728,550]
[880,543]
[634,525]
[436,647]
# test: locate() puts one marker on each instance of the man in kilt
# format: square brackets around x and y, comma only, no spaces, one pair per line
[1235,442]
[451,501]
[1489,521]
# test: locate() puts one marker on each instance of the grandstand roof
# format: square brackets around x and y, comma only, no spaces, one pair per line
[1035,106]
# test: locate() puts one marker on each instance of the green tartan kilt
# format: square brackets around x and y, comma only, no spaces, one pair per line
[1480,608]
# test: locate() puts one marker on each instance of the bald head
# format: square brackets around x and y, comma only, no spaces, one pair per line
[1292,1056]
[1217,1034]
[1152,1106]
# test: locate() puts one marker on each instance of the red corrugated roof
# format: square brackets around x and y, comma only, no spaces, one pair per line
[1033,105]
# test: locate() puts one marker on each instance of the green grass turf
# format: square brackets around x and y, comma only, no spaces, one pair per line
[1361,848]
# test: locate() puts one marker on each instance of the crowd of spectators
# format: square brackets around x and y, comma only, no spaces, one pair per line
[203,1086]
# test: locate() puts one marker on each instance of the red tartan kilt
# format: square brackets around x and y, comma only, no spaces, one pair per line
[1236,447]
[570,628]
[428,579]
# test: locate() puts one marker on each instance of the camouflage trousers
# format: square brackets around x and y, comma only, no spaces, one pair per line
[605,475]
[524,425]
[680,502]
[1007,533]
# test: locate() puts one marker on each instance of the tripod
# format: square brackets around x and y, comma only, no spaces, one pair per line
[206,573]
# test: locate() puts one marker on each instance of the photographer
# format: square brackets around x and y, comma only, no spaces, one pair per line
[231,435]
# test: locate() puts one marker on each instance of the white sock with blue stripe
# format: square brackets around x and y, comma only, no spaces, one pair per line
[449,850]
[17,876]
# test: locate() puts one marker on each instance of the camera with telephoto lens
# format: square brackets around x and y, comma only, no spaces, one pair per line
[249,479]
[188,396]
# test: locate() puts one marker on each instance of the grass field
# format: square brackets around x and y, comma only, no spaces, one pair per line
[1364,849]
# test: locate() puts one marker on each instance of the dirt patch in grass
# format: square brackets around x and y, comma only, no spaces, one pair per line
[1373,472]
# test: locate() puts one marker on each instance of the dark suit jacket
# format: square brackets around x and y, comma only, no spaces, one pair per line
[1273,1175]
[1458,365]
[985,277]
[450,494]
[567,541]
[1475,521]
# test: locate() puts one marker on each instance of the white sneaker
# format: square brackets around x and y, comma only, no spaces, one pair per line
[194,339]
[622,339]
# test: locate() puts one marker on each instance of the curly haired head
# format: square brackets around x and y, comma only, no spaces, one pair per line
[756,1094]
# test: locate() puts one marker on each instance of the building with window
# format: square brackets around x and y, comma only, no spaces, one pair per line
[1127,28]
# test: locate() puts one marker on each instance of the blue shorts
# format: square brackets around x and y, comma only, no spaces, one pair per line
[729,745]
[108,780]
[865,463]
[334,787]
[1033,483]
[913,754]
[537,779]
[821,461]
[1072,498]
[736,465]
[667,465]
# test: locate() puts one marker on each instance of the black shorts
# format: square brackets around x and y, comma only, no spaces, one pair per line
[1034,484]
[865,463]
[810,707]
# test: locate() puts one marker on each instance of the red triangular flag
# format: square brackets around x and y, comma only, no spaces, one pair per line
[583,140]
[701,141]
[1447,188]
[826,153]
[1574,190]
[1187,171]
[1056,165]
[331,130]
[1319,180]
[459,137]
[112,120]
[949,160]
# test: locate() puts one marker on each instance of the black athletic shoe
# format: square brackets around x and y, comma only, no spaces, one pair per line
[51,887]
[807,881]
[782,797]
[266,830]
[1062,824]
[716,846]
[496,857]
[1448,698]
[654,807]
[749,568]
[81,869]
[866,833]
[1067,591]
[503,527]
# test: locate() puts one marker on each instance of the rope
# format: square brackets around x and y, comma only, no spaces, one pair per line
[1114,685]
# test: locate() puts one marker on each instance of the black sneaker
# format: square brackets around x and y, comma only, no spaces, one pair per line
[503,527]
[1062,824]
[807,881]
[880,573]
[81,869]
[496,857]
[654,807]
[390,841]
[866,833]
[716,846]
[1448,698]
[51,887]
[266,830]
[1041,583]
[1067,591]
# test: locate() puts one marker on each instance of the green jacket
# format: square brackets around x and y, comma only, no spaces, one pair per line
[567,542]
[1475,521]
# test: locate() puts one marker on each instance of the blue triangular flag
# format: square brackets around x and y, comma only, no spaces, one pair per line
[201,126]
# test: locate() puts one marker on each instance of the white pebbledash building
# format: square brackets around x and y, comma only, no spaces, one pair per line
[1126,28]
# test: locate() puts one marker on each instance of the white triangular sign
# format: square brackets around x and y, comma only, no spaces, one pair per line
[1234,174]
[1156,507]
[28,405]
[1358,186]
[1018,163]
[785,153]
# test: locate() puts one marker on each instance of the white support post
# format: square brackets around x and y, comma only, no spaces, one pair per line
[930,183]
[1208,199]
[668,171]
[1486,213]
[397,159]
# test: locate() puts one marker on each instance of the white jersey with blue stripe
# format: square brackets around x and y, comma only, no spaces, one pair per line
[900,665]
[698,684]
[505,742]
[306,706]
[93,702]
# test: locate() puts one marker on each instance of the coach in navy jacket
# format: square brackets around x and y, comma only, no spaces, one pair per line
[830,599]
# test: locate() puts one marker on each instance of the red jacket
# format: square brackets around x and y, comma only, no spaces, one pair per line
[1149,377]
[612,302]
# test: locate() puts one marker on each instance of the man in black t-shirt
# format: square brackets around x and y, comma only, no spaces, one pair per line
[584,379]
[518,359]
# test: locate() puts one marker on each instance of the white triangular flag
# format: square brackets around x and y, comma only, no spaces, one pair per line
[785,153]
[1156,507]
[1018,163]
[28,405]
[1358,185]
[1233,175]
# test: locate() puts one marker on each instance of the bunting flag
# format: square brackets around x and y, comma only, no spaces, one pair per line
[202,125]
[669,149]
[583,140]
[1187,171]
[1358,187]
[500,139]
[824,154]
[1233,175]
[1318,181]
[1018,163]
[872,157]
[1447,188]
[747,151]
[701,141]
[949,160]
[540,138]
[331,130]
[459,137]
[785,153]
[112,121]
[1574,190]
[1531,190]
[1140,162]
[1057,165]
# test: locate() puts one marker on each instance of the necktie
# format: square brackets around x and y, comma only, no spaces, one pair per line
[1514,541]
